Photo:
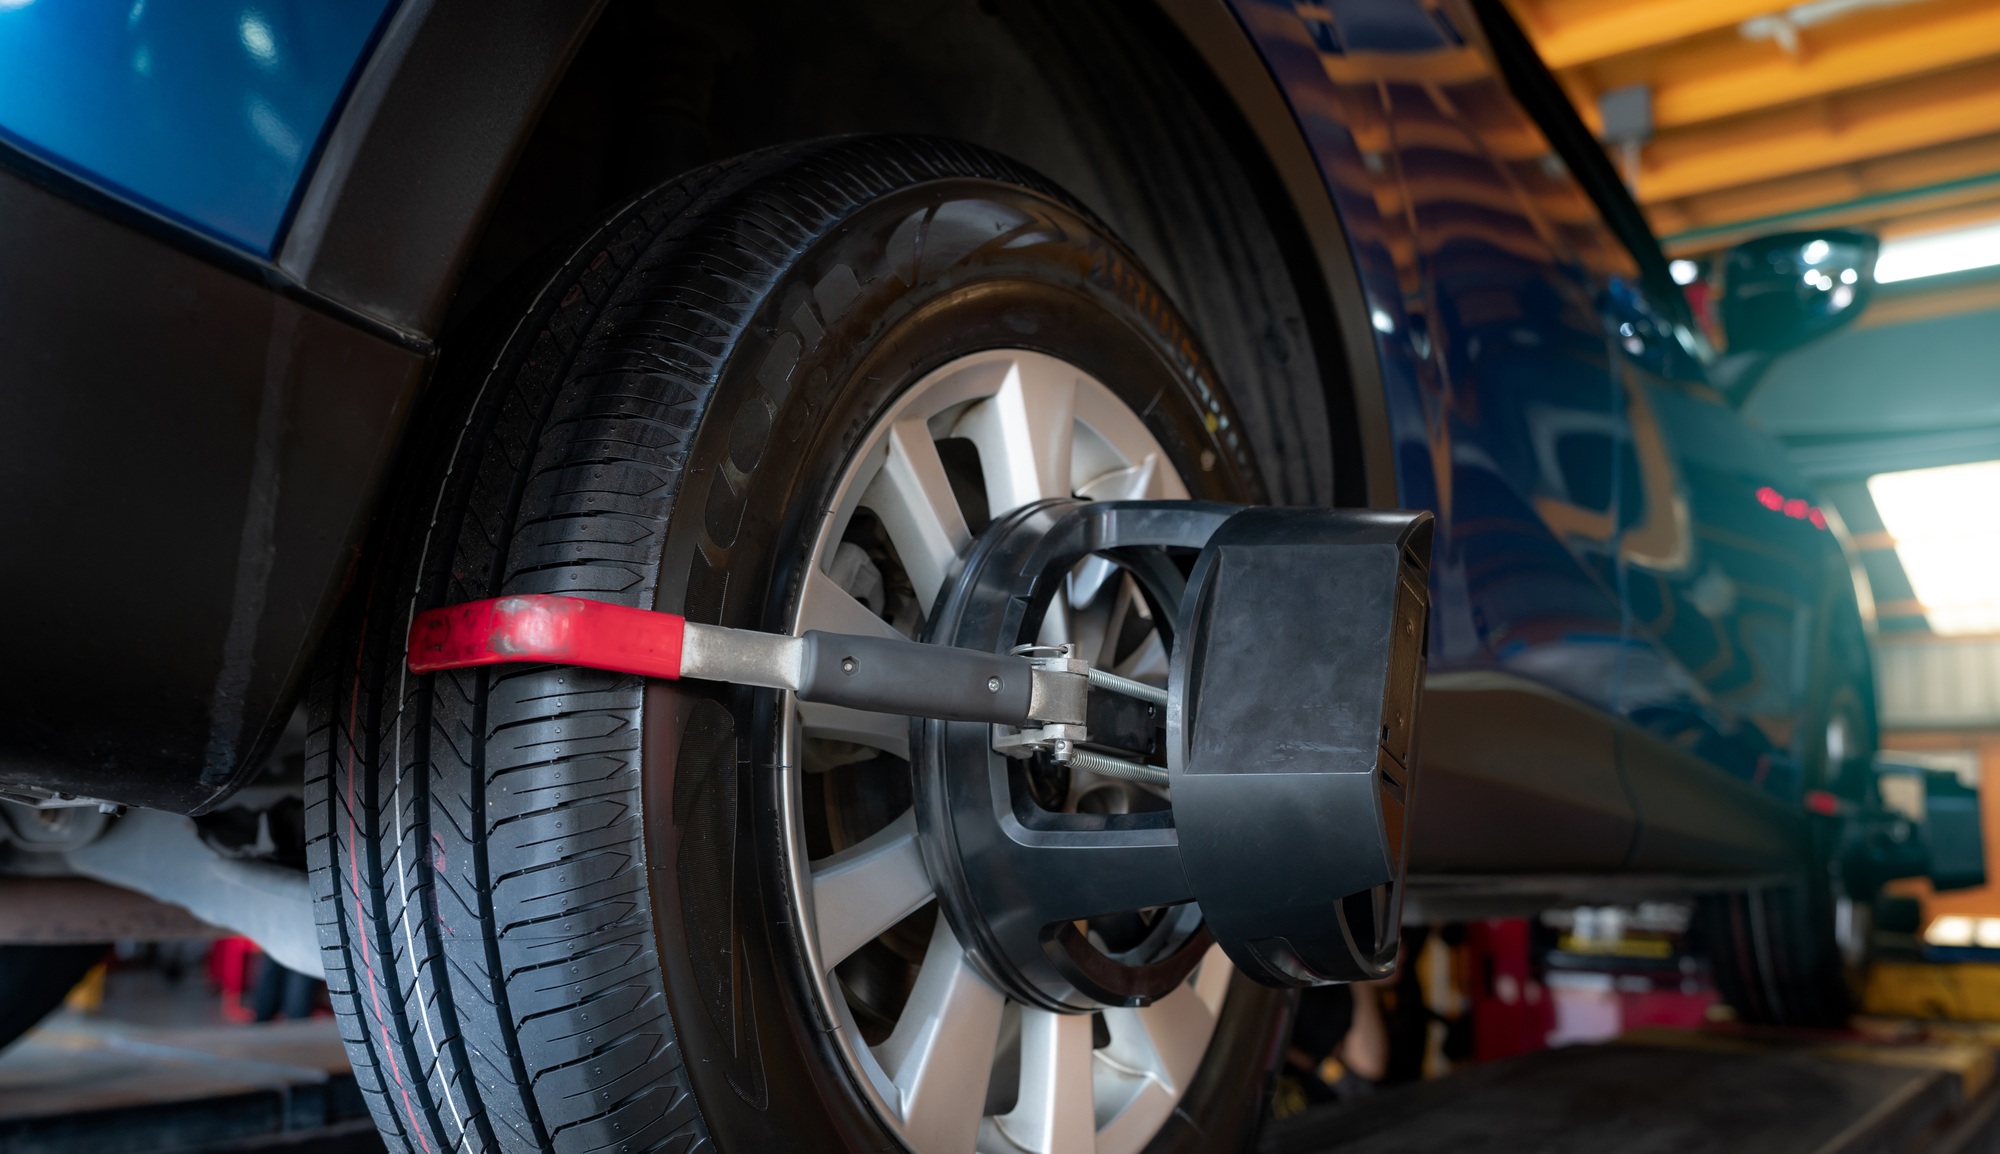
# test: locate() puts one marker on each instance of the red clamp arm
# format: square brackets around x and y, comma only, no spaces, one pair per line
[548,627]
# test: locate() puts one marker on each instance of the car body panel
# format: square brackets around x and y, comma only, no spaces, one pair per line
[206,111]
[190,459]
[198,434]
[1485,324]
[451,94]
[1561,430]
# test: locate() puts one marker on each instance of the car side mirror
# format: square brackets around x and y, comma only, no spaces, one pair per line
[1783,291]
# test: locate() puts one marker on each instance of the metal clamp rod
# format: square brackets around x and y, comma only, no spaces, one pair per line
[1151,694]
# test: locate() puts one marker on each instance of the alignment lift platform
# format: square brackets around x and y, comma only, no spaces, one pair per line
[82,1088]
[79,1086]
[1687,1092]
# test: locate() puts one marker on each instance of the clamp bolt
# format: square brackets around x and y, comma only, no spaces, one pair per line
[993,685]
[848,665]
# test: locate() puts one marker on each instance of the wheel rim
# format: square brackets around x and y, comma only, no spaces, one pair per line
[1040,428]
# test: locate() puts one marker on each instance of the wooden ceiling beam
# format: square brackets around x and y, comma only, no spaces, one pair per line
[1842,129]
[1965,213]
[1722,76]
[1883,181]
[1966,206]
[1570,33]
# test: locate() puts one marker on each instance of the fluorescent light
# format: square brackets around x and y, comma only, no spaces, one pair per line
[1938,252]
[1959,930]
[1946,524]
[1684,271]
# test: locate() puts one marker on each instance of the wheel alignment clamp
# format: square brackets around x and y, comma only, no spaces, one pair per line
[874,673]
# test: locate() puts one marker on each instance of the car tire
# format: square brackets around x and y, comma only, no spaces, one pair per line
[552,910]
[1790,955]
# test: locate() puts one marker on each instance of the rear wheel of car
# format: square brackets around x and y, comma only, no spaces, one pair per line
[1794,955]
[571,910]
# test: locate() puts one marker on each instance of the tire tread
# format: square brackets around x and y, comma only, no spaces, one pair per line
[495,814]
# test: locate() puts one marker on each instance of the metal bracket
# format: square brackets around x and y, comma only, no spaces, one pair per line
[1061,689]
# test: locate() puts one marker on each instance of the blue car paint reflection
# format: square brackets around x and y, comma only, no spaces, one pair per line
[1596,526]
[209,112]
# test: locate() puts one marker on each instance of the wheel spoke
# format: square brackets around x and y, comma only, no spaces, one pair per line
[825,606]
[1055,628]
[1211,978]
[887,732]
[1165,1040]
[1127,484]
[1147,663]
[866,888]
[1087,579]
[1124,438]
[940,1055]
[1025,432]
[1090,629]
[913,497]
[1132,483]
[1098,624]
[1056,1112]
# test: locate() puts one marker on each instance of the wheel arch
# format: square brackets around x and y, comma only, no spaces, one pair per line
[490,111]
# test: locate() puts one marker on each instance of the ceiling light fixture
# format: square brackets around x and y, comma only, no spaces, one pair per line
[1907,258]
[1957,931]
[1946,524]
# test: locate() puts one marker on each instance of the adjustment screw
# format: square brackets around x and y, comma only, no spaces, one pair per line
[993,685]
[848,664]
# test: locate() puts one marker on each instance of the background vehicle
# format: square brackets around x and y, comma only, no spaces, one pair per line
[388,308]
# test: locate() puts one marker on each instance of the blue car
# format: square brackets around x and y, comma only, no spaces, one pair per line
[794,317]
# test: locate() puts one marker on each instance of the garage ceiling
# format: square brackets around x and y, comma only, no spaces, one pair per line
[1876,114]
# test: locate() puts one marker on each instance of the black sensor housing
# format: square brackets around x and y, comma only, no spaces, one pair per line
[1291,735]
